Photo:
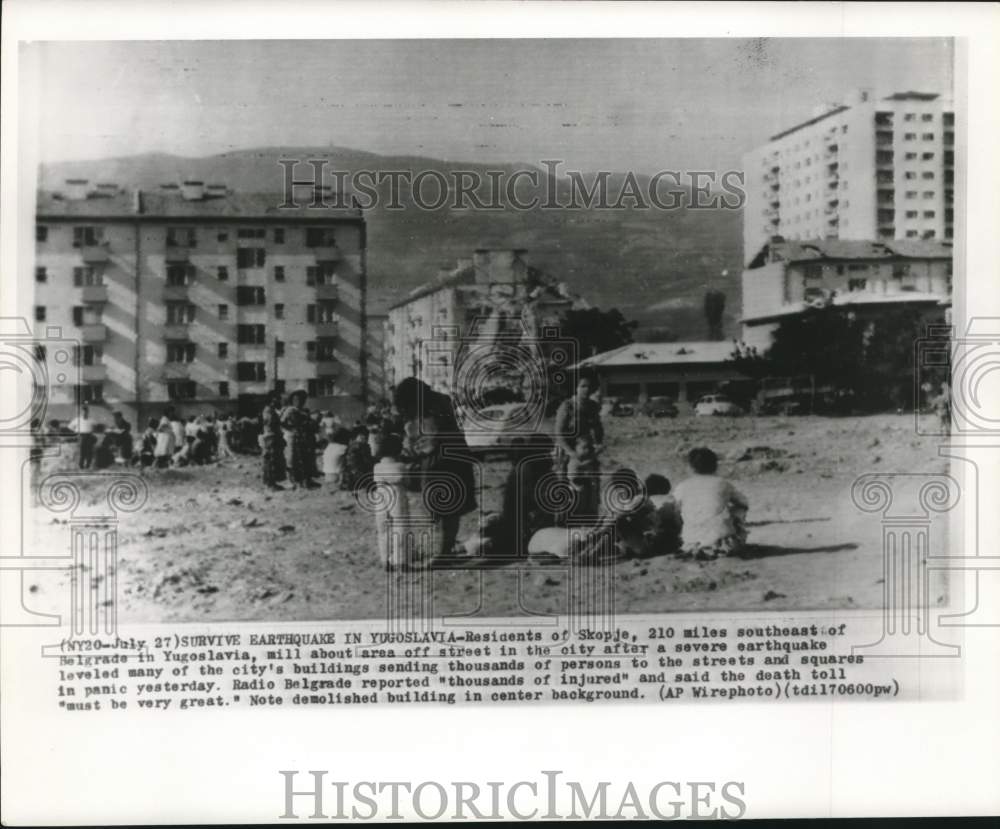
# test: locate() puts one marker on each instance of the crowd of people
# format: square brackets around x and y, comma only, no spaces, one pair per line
[411,452]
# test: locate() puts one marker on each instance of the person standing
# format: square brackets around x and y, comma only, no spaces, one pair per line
[272,443]
[87,440]
[438,459]
[579,439]
[124,438]
[296,425]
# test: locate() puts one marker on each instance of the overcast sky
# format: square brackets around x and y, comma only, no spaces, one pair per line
[644,105]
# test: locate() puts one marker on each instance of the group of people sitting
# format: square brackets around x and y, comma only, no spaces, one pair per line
[556,502]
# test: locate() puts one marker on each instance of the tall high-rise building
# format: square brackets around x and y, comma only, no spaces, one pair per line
[870,168]
[198,297]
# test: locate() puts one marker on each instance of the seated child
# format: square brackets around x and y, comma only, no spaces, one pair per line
[665,534]
[712,510]
[333,456]
[393,536]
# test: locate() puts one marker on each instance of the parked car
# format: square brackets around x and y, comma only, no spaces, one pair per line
[616,407]
[506,428]
[659,407]
[716,404]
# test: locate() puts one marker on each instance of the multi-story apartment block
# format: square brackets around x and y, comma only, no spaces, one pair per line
[494,294]
[867,169]
[786,278]
[199,297]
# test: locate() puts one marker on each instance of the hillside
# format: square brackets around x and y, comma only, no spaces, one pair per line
[652,264]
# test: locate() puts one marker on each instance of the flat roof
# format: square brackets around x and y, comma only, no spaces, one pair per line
[663,354]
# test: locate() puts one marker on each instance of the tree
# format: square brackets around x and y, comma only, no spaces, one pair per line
[595,331]
[715,306]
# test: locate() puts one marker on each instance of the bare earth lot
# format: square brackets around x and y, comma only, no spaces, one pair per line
[211,545]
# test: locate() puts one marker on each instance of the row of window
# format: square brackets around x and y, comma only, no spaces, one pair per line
[188,389]
[180,313]
[180,275]
[187,237]
[322,350]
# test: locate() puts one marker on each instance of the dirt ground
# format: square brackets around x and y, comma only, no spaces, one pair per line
[212,545]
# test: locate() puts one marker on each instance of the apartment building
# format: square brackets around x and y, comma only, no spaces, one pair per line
[788,277]
[195,296]
[492,297]
[869,168]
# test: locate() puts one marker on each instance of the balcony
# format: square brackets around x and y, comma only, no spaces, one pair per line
[93,374]
[95,293]
[177,255]
[176,371]
[326,253]
[327,329]
[327,368]
[176,331]
[94,254]
[328,292]
[94,333]
[174,292]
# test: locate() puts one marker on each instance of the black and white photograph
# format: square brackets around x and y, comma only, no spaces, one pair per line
[620,373]
[575,302]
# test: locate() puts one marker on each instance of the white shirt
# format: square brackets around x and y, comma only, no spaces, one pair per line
[706,503]
[82,425]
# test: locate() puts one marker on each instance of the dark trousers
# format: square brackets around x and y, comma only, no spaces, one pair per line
[87,444]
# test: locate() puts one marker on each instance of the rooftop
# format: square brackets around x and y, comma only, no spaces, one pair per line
[855,299]
[805,250]
[663,354]
[171,204]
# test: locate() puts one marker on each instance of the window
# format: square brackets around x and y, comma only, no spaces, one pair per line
[929,234]
[949,119]
[88,355]
[180,352]
[279,386]
[928,214]
[310,313]
[927,157]
[179,313]
[181,237]
[78,315]
[279,273]
[326,349]
[41,275]
[181,390]
[41,233]
[927,174]
[223,351]
[857,284]
[223,389]
[927,116]
[320,237]
[251,233]
[321,275]
[928,136]
[326,312]
[279,311]
[910,136]
[279,348]
[250,257]
[179,275]
[911,234]
[909,175]
[909,116]
[223,312]
[311,350]
[87,236]
[910,156]
[88,276]
[911,194]
[223,237]
[250,334]
[911,214]
[90,393]
[928,194]
[249,295]
[222,272]
[279,236]
[322,387]
[250,372]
